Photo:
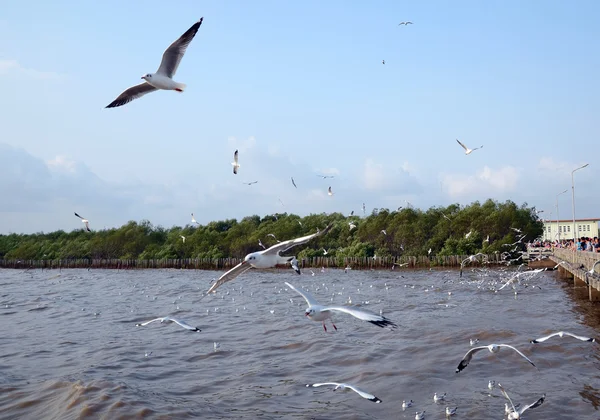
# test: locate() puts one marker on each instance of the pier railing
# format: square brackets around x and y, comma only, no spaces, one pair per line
[578,258]
[358,263]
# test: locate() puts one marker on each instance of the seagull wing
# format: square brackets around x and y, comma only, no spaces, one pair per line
[323,384]
[235,157]
[285,245]
[184,324]
[230,275]
[363,315]
[507,397]
[542,339]
[132,93]
[173,55]
[87,226]
[522,355]
[465,361]
[463,146]
[534,405]
[143,324]
[78,215]
[580,337]
[364,394]
[293,183]
[306,295]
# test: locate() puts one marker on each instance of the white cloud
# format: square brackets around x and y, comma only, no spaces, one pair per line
[13,67]
[548,165]
[487,181]
[378,177]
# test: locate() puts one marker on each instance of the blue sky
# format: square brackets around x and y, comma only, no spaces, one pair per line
[300,89]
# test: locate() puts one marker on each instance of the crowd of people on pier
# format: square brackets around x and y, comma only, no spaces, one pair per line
[581,244]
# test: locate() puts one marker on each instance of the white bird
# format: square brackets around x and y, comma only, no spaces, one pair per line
[266,258]
[420,415]
[437,397]
[261,244]
[294,183]
[493,348]
[168,320]
[516,415]
[235,163]
[473,341]
[294,264]
[467,150]
[318,312]
[326,176]
[163,78]
[429,252]
[273,236]
[406,404]
[329,192]
[451,411]
[384,232]
[352,225]
[561,334]
[343,386]
[216,346]
[468,234]
[182,237]
[194,220]
[487,239]
[85,222]
[491,385]
[469,259]
[325,251]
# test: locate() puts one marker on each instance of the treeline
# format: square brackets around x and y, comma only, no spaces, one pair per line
[408,231]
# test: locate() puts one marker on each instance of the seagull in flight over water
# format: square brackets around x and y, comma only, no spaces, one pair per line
[266,258]
[86,222]
[163,78]
[516,415]
[467,150]
[168,320]
[493,348]
[318,312]
[561,334]
[359,391]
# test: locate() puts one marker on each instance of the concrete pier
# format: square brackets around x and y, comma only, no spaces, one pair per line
[577,265]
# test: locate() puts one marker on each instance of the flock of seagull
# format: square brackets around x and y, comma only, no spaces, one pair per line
[270,257]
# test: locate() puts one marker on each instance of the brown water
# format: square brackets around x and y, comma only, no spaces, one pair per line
[69,347]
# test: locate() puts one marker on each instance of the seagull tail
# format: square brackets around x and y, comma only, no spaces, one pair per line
[180,87]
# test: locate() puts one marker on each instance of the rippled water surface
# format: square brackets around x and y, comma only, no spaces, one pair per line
[69,346]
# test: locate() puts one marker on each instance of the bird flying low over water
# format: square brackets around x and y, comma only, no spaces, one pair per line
[235,163]
[86,222]
[561,334]
[493,348]
[318,312]
[359,391]
[163,78]
[168,320]
[267,258]
[467,150]
[515,414]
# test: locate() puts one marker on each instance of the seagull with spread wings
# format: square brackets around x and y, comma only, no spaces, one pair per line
[467,150]
[86,222]
[163,78]
[493,348]
[342,386]
[561,334]
[516,414]
[267,258]
[318,312]
[235,163]
[168,320]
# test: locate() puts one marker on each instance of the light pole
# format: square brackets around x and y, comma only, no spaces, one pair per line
[573,198]
[557,219]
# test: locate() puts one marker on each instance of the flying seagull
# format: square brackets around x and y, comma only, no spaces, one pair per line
[168,320]
[405,23]
[194,220]
[294,183]
[382,61]
[384,232]
[86,222]
[267,258]
[516,415]
[493,348]
[250,183]
[561,334]
[182,237]
[163,78]
[329,192]
[235,163]
[467,150]
[326,176]
[359,391]
[318,312]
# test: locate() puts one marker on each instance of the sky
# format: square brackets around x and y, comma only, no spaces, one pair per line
[299,88]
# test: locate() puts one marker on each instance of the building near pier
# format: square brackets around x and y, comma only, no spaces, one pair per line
[553,229]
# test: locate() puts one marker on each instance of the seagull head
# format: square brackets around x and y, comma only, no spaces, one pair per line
[250,257]
[147,76]
[309,312]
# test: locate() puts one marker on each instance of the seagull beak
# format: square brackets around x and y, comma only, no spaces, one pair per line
[307,313]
